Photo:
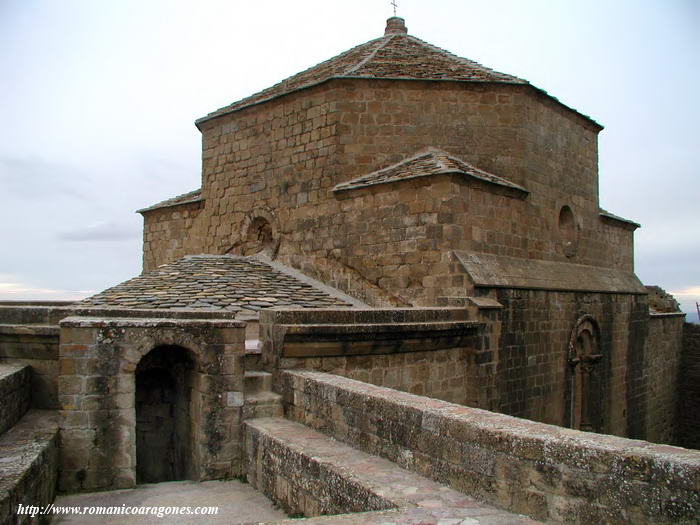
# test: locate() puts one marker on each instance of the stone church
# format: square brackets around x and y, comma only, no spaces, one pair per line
[399,249]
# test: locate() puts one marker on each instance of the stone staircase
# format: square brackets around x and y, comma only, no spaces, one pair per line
[28,446]
[260,400]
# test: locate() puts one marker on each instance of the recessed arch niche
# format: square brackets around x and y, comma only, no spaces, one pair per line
[568,231]
[586,377]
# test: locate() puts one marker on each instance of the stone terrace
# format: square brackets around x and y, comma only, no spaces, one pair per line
[220,282]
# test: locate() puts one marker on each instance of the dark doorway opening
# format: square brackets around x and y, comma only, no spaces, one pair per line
[164,447]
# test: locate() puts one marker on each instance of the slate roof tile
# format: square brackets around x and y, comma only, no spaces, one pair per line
[219,282]
[395,55]
[430,162]
[185,198]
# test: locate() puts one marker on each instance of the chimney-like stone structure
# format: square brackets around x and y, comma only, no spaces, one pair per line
[395,25]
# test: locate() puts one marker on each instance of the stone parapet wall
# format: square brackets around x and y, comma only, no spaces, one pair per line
[299,480]
[15,394]
[547,472]
[37,347]
[97,388]
[29,467]
[52,314]
[437,352]
[689,388]
[310,474]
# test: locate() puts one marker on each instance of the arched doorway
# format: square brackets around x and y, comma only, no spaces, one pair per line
[585,381]
[164,440]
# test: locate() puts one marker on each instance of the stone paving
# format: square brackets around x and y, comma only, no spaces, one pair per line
[237,503]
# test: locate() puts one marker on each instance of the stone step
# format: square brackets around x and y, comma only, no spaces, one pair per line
[263,404]
[313,474]
[15,393]
[255,381]
[253,360]
[29,466]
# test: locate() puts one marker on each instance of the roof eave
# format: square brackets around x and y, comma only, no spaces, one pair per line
[222,113]
[162,205]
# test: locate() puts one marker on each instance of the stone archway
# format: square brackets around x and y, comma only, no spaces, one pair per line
[164,424]
[258,237]
[585,378]
[258,233]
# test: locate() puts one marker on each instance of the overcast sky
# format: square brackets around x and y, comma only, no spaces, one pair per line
[98,101]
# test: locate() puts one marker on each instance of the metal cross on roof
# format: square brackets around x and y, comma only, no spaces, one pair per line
[393,3]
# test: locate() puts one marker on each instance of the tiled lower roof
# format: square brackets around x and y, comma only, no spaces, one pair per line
[612,216]
[220,282]
[431,162]
[185,198]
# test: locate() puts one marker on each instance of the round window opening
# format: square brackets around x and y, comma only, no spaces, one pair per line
[568,231]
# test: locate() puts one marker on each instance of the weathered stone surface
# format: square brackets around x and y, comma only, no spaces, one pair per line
[28,466]
[544,471]
[15,393]
[492,271]
[99,358]
[429,351]
[308,473]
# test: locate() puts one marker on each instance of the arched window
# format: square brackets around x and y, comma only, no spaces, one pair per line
[568,230]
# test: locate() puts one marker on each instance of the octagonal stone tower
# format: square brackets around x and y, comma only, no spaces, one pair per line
[479,163]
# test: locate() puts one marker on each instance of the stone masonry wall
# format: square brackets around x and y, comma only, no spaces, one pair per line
[689,388]
[98,359]
[280,160]
[29,334]
[273,160]
[37,347]
[550,473]
[15,393]
[537,328]
[439,353]
[663,354]
[506,130]
[170,233]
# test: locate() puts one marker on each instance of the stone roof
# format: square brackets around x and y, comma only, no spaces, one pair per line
[607,215]
[396,55]
[185,198]
[220,282]
[431,162]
